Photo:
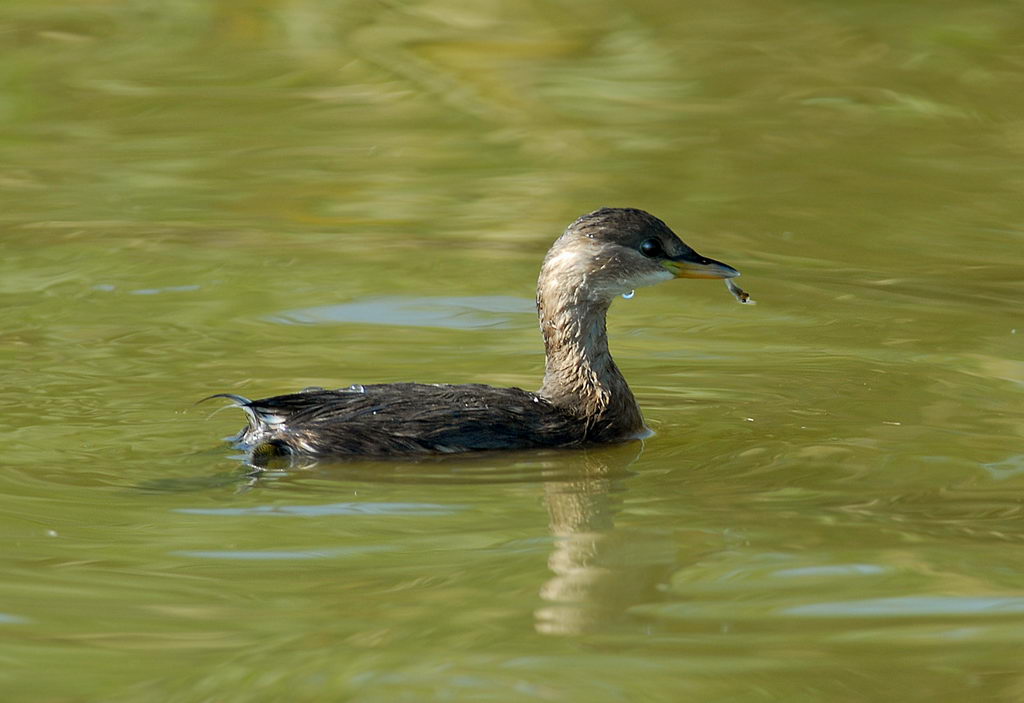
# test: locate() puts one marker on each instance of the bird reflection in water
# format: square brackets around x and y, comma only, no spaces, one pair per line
[599,571]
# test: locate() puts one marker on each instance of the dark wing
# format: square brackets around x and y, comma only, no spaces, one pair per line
[406,418]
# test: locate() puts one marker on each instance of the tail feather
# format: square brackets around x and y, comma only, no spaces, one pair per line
[239,401]
[258,439]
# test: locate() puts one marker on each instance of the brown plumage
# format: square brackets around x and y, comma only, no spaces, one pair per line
[583,399]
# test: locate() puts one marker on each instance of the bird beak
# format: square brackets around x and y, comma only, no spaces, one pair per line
[693,265]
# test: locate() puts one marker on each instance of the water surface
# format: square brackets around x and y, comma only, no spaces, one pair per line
[257,197]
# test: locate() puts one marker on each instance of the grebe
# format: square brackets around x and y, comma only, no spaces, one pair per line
[583,399]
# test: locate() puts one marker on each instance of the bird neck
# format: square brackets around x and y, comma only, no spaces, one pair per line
[580,375]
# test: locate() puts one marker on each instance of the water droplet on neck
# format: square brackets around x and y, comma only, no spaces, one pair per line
[629,295]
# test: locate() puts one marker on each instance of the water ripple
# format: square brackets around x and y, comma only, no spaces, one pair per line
[912,606]
[257,555]
[470,312]
[331,509]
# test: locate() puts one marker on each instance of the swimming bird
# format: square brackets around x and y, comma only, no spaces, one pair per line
[583,399]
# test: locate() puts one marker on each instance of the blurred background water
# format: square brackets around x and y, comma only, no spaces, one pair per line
[260,195]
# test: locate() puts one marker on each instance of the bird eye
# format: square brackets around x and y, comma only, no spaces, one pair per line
[651,248]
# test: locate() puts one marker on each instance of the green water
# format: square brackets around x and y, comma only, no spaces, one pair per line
[259,196]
